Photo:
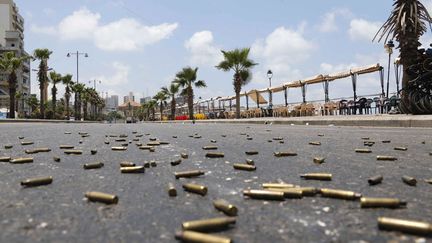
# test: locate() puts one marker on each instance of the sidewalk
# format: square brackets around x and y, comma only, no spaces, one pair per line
[43,120]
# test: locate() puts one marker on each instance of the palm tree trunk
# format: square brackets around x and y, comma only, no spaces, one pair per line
[67,106]
[190,102]
[42,103]
[85,110]
[161,110]
[238,105]
[54,98]
[173,108]
[12,92]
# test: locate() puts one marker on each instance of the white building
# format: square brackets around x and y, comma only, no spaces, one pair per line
[111,103]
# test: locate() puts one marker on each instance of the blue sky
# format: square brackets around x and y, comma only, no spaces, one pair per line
[139,45]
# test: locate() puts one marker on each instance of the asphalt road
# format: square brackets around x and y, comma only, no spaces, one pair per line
[145,213]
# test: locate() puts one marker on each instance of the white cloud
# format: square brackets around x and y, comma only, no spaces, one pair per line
[203,50]
[119,77]
[361,29]
[329,23]
[80,24]
[46,30]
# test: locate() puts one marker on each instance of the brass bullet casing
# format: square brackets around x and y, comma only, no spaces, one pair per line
[264,194]
[127,164]
[153,163]
[93,151]
[365,138]
[8,146]
[138,144]
[135,139]
[384,157]
[73,151]
[172,191]
[134,132]
[37,150]
[368,143]
[223,135]
[375,180]
[188,174]
[5,159]
[209,147]
[386,141]
[315,143]
[174,136]
[277,185]
[250,162]
[213,141]
[428,181]
[184,155]
[152,139]
[56,159]
[146,164]
[401,148]
[406,226]
[106,142]
[67,133]
[284,154]
[317,176]
[318,160]
[152,149]
[82,133]
[244,167]
[39,181]
[320,135]
[365,151]
[118,148]
[138,135]
[215,155]
[21,160]
[175,162]
[380,202]
[308,191]
[341,194]
[409,180]
[101,197]
[113,136]
[197,137]
[132,169]
[80,141]
[120,140]
[85,135]
[270,141]
[26,143]
[251,152]
[288,192]
[155,143]
[278,138]
[225,207]
[123,136]
[20,137]
[212,224]
[195,188]
[192,236]
[281,141]
[163,143]
[144,147]
[249,138]
[96,165]
[124,144]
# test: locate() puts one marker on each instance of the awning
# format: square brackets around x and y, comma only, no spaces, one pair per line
[293,84]
[277,88]
[338,75]
[315,79]
[253,94]
[129,103]
[366,69]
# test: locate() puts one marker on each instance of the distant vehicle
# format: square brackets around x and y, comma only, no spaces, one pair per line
[130,120]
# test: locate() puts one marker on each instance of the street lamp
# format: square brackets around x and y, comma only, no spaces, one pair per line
[269,76]
[77,53]
[95,82]
[389,49]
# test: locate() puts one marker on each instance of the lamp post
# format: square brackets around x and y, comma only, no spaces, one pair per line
[269,76]
[77,54]
[389,49]
[95,82]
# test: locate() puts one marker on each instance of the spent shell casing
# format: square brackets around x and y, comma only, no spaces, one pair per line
[144,147]
[80,141]
[209,147]
[249,138]
[174,136]
[56,159]
[385,157]
[277,185]
[288,192]
[107,142]
[101,197]
[21,137]
[251,152]
[39,181]
[21,160]
[270,141]
[118,148]
[188,174]
[250,162]
[123,136]
[340,194]
[192,236]
[226,207]
[375,180]
[315,143]
[138,144]
[163,142]
[154,143]
[152,139]
[264,194]
[67,133]
[195,188]
[90,166]
[172,191]
[278,138]
[93,151]
[212,224]
[308,191]
[380,202]
[320,135]
[73,151]
[365,138]
[318,160]
[386,141]
[284,154]
[124,144]
[428,181]
[409,180]
[8,146]
[406,226]
[153,163]
[281,141]
[317,176]
[184,155]
[244,167]
[152,149]
[146,164]
[127,164]
[215,155]
[5,159]
[135,139]
[120,140]
[175,162]
[401,148]
[213,141]
[366,151]
[26,143]
[223,135]
[132,169]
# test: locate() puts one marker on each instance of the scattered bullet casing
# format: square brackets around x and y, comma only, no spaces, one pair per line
[188,174]
[124,144]
[152,149]
[120,140]
[251,152]
[56,159]
[372,202]
[147,164]
[215,155]
[21,160]
[163,143]
[288,192]
[93,151]
[407,226]
[365,138]
[315,143]
[284,154]
[184,155]
[308,191]
[93,165]
[213,141]
[225,207]
[277,138]
[5,159]
[375,180]
[154,143]
[175,162]
[250,162]
[409,180]
[145,147]
[37,181]
[209,147]
[386,141]
[205,225]
[401,148]
[37,150]
[195,188]
[106,142]
[101,197]
[249,138]
[428,181]
[244,167]
[118,148]
[192,236]
[26,143]
[73,151]
[172,192]
[8,146]
[317,176]
[363,151]
[341,194]
[384,157]
[132,169]
[277,185]
[127,164]
[153,163]
[264,194]
[318,160]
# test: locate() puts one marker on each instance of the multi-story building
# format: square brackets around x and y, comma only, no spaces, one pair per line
[145,99]
[111,103]
[128,98]
[12,39]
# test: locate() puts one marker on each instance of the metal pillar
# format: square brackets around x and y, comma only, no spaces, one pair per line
[286,95]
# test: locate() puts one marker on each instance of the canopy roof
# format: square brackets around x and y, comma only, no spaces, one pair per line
[253,94]
[131,103]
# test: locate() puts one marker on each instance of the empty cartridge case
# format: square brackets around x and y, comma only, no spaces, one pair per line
[384,157]
[192,236]
[93,151]
[225,207]
[118,148]
[250,162]
[314,143]
[308,191]
[132,169]
[264,194]
[8,146]
[120,140]
[401,148]
[249,138]
[153,163]
[144,147]
[152,149]
[37,181]
[375,180]
[251,152]
[212,224]
[101,197]
[56,159]
[317,176]
[96,165]
[379,202]
[163,142]
[277,185]
[195,188]
[318,160]
[365,138]
[154,143]
[209,147]
[428,181]
[67,133]
[288,192]
[176,162]
[106,142]
[188,174]
[20,137]
[26,143]
[341,194]
[409,180]
[21,160]
[215,155]
[406,226]
[184,155]
[73,151]
[146,164]
[284,154]
[124,144]
[37,150]
[172,192]
[278,138]
[5,159]
[363,151]
[244,167]
[386,141]
[213,141]
[126,164]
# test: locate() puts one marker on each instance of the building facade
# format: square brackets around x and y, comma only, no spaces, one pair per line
[12,39]
[111,103]
[129,97]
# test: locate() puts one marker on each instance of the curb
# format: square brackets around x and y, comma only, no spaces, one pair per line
[42,121]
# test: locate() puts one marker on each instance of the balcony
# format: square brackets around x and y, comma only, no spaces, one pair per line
[13,35]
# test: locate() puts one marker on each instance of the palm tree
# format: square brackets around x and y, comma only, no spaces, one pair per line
[171,91]
[10,63]
[406,23]
[187,78]
[161,98]
[43,55]
[85,98]
[238,61]
[67,81]
[32,102]
[55,79]
[78,88]
[149,106]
